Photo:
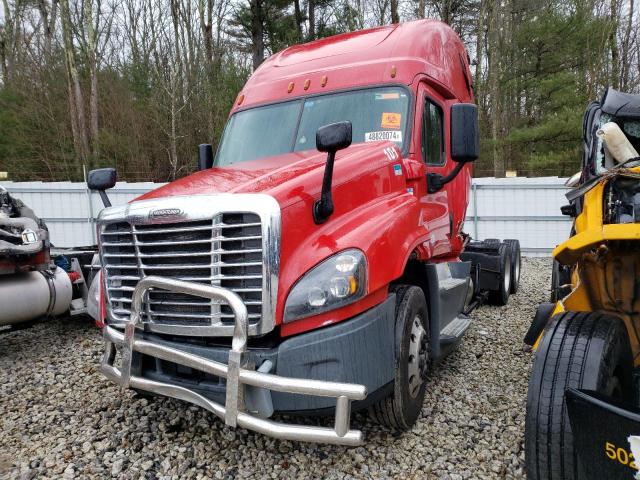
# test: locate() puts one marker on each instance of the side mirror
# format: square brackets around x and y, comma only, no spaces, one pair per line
[205,156]
[100,180]
[465,143]
[333,137]
[465,138]
[329,138]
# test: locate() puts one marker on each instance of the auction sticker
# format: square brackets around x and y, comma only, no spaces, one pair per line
[387,96]
[393,135]
[390,120]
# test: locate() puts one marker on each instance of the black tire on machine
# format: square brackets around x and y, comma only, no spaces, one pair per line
[581,350]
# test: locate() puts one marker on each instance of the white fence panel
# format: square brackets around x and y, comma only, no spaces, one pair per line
[527,209]
[524,208]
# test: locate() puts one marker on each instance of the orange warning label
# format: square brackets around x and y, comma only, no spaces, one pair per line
[390,120]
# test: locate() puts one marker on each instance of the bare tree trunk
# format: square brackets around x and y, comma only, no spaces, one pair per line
[626,47]
[312,19]
[3,55]
[298,15]
[174,134]
[175,18]
[257,32]
[494,87]
[207,30]
[76,100]
[421,8]
[395,18]
[49,15]
[613,44]
[93,76]
[7,42]
[479,53]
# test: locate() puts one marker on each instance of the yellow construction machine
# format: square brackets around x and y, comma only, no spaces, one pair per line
[582,406]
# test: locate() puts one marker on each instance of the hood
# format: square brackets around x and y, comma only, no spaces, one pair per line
[288,178]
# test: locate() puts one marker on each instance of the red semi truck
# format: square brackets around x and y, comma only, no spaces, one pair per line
[316,263]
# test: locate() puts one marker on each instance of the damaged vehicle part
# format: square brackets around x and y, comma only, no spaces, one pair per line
[36,282]
[24,238]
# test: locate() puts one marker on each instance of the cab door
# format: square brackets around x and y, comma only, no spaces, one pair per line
[430,136]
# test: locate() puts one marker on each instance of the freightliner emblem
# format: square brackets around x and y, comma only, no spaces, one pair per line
[166,213]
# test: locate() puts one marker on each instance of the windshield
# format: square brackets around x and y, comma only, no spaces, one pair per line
[375,114]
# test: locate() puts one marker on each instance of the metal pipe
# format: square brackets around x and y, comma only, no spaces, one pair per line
[343,416]
[236,372]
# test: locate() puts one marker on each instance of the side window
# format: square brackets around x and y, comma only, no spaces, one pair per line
[432,134]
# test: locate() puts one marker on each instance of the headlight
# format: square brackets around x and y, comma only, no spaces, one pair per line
[336,282]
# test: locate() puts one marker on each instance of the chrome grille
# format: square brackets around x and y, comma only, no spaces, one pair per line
[225,250]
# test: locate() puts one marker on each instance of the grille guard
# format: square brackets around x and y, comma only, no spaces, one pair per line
[237,372]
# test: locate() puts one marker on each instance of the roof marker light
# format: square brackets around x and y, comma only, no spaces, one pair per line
[290,87]
[323,82]
[307,83]
[393,71]
[240,98]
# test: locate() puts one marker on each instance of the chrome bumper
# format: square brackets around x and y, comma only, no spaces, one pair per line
[237,372]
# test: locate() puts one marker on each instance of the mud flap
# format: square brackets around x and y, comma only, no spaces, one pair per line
[601,426]
[485,263]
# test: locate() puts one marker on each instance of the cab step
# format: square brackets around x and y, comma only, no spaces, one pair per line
[455,329]
[449,286]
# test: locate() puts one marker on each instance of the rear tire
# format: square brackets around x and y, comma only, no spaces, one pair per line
[501,295]
[587,350]
[400,410]
[516,263]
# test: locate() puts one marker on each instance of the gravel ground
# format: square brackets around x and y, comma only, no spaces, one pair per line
[60,418]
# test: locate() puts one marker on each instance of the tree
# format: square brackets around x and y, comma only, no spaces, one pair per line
[76,97]
[138,84]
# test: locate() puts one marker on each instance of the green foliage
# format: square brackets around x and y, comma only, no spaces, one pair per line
[546,84]
[161,93]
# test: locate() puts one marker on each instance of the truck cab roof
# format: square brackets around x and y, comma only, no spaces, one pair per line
[382,55]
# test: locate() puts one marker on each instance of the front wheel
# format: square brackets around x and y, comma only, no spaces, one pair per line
[582,350]
[400,410]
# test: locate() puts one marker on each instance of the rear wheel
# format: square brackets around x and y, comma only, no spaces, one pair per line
[501,295]
[516,262]
[400,410]
[587,350]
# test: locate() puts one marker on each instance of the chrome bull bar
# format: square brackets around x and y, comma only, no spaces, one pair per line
[238,372]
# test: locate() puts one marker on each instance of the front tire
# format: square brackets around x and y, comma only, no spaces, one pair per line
[584,350]
[400,410]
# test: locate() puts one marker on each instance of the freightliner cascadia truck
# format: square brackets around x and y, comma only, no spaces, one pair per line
[316,264]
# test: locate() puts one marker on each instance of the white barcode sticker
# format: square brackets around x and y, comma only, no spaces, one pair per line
[393,135]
